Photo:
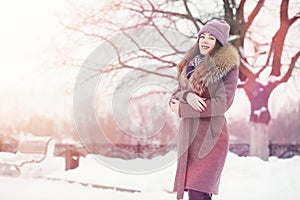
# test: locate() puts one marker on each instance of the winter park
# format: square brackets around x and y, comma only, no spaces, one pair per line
[110,99]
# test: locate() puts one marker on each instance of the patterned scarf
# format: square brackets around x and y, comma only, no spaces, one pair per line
[193,64]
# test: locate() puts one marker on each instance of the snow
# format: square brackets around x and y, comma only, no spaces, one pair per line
[244,178]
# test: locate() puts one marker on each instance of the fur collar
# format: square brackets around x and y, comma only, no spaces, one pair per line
[211,70]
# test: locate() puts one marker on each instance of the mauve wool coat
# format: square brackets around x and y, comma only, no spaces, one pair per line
[203,138]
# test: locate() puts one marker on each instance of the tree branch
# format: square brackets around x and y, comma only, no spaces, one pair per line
[94,35]
[193,19]
[288,74]
[240,11]
[253,14]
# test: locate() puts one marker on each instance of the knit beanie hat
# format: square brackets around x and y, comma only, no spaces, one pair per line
[218,28]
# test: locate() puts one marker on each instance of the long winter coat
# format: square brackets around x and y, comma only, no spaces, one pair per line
[203,136]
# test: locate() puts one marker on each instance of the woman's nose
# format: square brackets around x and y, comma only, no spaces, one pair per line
[204,40]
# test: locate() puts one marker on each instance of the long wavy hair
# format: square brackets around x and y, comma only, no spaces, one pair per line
[192,52]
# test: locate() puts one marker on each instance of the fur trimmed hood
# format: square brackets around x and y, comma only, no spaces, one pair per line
[211,70]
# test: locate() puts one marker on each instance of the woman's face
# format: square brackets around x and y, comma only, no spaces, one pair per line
[207,43]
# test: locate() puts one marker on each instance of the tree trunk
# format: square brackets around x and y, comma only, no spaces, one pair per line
[259,141]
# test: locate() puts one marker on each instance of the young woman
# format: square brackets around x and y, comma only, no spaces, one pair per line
[208,77]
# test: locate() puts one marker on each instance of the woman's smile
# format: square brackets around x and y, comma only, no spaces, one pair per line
[206,43]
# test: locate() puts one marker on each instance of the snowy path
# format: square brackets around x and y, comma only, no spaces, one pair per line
[17,189]
[243,178]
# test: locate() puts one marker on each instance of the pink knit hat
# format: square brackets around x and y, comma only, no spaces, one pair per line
[218,28]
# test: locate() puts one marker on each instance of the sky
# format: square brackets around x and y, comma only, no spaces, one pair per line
[25,32]
[28,80]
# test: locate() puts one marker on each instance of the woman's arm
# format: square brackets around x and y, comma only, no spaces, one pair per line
[179,95]
[219,103]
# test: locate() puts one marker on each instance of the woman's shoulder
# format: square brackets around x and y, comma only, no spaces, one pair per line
[227,57]
[233,73]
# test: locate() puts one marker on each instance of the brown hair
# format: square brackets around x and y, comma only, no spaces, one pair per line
[192,52]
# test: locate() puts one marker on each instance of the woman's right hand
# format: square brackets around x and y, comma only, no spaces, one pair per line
[196,102]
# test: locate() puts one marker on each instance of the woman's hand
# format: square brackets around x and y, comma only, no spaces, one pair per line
[197,103]
[174,105]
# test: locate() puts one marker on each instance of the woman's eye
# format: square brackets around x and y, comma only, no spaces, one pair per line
[211,38]
[202,36]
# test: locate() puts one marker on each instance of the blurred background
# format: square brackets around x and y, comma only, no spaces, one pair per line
[45,43]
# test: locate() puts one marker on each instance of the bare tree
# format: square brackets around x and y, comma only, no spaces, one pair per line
[187,17]
[258,92]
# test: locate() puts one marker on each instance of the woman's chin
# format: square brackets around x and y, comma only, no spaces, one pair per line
[204,51]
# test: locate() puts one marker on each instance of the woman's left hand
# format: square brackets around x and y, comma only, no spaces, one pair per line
[196,102]
[174,105]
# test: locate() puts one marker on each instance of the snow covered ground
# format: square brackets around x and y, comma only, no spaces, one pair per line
[245,178]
